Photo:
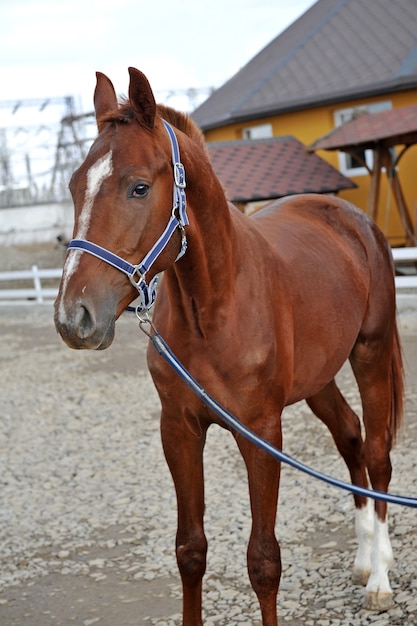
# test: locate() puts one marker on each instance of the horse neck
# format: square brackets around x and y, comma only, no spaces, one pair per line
[203,279]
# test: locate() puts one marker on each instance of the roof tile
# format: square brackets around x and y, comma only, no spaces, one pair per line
[262,169]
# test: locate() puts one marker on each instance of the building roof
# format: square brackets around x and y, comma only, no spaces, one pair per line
[392,128]
[262,169]
[337,50]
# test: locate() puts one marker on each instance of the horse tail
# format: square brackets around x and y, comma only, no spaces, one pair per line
[397,386]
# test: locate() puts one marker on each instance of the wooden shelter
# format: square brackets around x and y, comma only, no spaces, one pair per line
[379,132]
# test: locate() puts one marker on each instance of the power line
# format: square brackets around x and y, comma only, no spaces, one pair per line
[40,103]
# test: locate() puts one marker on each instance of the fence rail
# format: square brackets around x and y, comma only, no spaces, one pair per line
[408,255]
[37,293]
[40,294]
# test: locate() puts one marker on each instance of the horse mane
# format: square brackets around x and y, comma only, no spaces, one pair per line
[183,122]
[124,114]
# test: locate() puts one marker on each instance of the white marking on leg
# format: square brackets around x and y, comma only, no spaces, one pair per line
[382,559]
[364,526]
[96,175]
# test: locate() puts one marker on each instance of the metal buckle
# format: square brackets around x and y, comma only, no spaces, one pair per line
[179,175]
[183,241]
[132,278]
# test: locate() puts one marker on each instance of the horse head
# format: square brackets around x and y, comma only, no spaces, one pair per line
[123,200]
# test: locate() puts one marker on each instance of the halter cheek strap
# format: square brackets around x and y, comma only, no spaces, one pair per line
[137,273]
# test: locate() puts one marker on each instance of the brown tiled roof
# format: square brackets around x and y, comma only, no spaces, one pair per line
[337,50]
[392,128]
[263,169]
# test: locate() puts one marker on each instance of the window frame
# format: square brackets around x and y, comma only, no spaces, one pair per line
[259,131]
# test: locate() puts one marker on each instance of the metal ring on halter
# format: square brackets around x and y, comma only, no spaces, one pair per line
[144,319]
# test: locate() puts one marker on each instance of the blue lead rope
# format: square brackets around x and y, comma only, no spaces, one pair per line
[164,350]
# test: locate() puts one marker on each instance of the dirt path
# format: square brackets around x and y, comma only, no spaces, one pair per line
[87,514]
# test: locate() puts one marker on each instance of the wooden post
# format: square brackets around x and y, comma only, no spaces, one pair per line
[374,188]
[405,216]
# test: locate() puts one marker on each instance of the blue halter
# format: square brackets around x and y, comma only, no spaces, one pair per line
[137,273]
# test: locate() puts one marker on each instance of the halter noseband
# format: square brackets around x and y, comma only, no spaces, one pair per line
[137,273]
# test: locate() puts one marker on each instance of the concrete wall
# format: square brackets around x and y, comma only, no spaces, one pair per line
[35,224]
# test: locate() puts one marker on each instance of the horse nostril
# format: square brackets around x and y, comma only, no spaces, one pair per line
[85,323]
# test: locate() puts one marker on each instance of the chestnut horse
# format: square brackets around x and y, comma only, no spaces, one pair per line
[262,311]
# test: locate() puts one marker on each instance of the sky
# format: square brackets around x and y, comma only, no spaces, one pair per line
[52,48]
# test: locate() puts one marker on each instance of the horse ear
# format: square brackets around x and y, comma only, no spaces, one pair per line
[105,99]
[141,98]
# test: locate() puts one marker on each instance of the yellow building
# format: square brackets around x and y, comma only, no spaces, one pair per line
[339,59]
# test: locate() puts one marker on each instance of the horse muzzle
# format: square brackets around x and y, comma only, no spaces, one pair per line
[84,327]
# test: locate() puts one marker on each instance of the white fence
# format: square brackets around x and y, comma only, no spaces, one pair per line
[37,293]
[40,294]
[408,255]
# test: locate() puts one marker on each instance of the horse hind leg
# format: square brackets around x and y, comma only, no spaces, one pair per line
[377,365]
[332,409]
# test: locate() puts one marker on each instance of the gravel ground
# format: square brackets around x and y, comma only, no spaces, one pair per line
[87,513]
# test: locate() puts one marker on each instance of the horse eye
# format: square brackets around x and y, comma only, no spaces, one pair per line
[140,190]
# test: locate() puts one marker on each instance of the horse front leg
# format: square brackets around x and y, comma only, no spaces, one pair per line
[183,450]
[263,555]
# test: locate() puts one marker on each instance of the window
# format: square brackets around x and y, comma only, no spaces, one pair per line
[354,164]
[263,131]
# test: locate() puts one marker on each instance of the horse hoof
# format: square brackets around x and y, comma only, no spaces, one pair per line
[378,601]
[360,576]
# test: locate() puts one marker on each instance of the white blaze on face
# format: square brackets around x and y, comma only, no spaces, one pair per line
[96,175]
